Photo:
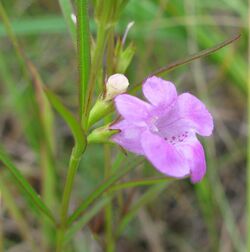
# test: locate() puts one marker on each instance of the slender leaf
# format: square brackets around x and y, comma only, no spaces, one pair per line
[143,200]
[86,218]
[73,124]
[23,183]
[189,59]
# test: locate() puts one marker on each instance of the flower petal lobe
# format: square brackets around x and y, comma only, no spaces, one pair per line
[164,156]
[132,108]
[159,92]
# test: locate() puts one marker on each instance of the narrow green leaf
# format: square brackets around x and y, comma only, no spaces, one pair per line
[139,182]
[83,49]
[16,214]
[101,189]
[23,183]
[150,194]
[86,218]
[73,124]
[189,59]
[67,10]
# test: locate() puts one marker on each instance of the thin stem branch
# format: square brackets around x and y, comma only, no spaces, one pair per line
[73,165]
[188,59]
[95,67]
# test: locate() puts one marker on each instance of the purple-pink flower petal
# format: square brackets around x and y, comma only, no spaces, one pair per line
[191,108]
[193,152]
[132,108]
[164,156]
[129,137]
[159,92]
[164,131]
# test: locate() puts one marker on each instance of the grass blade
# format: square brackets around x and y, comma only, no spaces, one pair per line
[143,200]
[86,218]
[83,49]
[189,59]
[22,182]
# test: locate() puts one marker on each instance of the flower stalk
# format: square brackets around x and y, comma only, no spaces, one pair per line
[97,59]
[73,165]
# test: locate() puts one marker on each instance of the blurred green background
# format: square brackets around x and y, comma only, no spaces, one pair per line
[209,216]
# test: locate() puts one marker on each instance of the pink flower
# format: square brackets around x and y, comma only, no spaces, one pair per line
[164,130]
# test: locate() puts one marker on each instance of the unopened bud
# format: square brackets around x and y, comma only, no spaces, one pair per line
[102,135]
[73,17]
[116,84]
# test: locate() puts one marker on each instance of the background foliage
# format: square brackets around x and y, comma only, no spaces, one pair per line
[175,216]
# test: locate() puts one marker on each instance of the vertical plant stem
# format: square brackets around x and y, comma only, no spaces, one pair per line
[73,165]
[83,51]
[217,189]
[48,193]
[1,224]
[110,244]
[102,33]
[67,10]
[44,116]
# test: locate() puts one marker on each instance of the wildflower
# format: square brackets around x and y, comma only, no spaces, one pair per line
[116,84]
[164,130]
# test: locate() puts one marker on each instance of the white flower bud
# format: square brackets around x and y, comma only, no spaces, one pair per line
[116,84]
[73,17]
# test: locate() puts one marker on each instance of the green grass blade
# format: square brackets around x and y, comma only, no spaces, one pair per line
[100,190]
[142,201]
[22,182]
[248,138]
[83,51]
[16,214]
[86,218]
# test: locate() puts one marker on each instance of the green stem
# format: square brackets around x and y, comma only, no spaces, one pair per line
[102,188]
[73,165]
[67,10]
[16,214]
[83,48]
[97,60]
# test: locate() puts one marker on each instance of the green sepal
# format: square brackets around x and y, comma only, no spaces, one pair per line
[99,111]
[123,56]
